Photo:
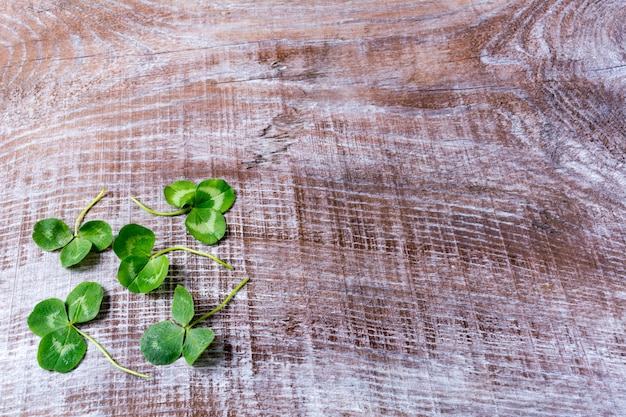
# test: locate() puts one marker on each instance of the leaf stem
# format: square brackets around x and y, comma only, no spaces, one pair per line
[108,356]
[160,213]
[82,214]
[207,255]
[218,308]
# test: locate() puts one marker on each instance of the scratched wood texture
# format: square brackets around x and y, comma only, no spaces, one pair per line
[430,207]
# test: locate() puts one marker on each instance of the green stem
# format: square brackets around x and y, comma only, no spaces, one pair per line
[108,356]
[160,213]
[82,214]
[218,308]
[207,255]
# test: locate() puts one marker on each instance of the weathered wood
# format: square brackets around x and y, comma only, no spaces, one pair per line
[430,201]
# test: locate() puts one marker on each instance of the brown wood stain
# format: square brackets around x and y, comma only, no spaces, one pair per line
[430,202]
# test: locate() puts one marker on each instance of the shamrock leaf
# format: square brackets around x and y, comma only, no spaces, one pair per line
[164,342]
[83,303]
[180,193]
[196,342]
[49,315]
[61,350]
[97,232]
[140,270]
[75,251]
[182,306]
[53,234]
[204,205]
[134,240]
[62,346]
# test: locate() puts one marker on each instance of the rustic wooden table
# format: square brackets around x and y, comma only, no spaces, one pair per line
[430,206]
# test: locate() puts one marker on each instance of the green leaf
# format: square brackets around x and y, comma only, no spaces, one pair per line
[83,303]
[182,306]
[98,232]
[141,274]
[196,342]
[47,316]
[162,343]
[51,234]
[134,240]
[75,251]
[61,350]
[63,345]
[153,274]
[204,206]
[215,194]
[206,225]
[128,271]
[180,193]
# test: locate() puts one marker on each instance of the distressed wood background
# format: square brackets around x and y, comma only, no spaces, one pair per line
[430,207]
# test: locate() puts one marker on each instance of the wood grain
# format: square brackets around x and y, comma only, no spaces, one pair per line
[431,201]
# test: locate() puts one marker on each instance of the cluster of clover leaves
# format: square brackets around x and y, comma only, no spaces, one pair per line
[63,346]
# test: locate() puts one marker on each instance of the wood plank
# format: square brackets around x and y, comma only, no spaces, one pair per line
[430,202]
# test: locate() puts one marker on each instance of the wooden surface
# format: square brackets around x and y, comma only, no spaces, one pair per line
[430,207]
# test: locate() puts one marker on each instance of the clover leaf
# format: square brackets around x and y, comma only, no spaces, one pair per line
[53,234]
[164,342]
[204,205]
[62,346]
[142,271]
[182,306]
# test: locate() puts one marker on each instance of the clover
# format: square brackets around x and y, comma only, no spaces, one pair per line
[53,234]
[204,205]
[164,342]
[62,346]
[142,271]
